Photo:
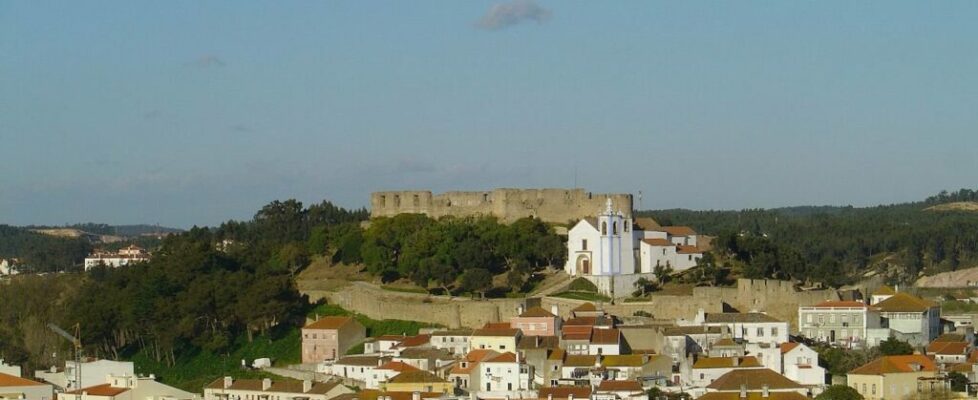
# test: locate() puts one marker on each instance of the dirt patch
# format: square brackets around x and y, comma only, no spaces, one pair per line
[322,274]
[971,206]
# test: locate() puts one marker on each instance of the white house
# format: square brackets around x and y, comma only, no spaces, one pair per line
[14,387]
[129,388]
[384,372]
[228,388]
[911,318]
[455,341]
[750,327]
[660,251]
[505,375]
[360,367]
[92,373]
[800,364]
[8,267]
[708,369]
[125,256]
[845,323]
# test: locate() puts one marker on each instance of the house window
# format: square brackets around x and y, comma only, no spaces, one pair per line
[760,331]
[874,388]
[583,244]
[774,331]
[502,347]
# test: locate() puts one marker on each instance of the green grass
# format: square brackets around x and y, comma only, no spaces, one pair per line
[193,371]
[636,299]
[583,296]
[374,327]
[582,285]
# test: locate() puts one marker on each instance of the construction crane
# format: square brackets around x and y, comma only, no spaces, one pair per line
[76,342]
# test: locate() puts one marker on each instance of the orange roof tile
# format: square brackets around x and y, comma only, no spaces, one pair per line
[329,323]
[536,312]
[658,242]
[506,357]
[903,302]
[620,386]
[397,366]
[947,348]
[414,341]
[605,336]
[688,250]
[787,347]
[841,304]
[7,380]
[753,379]
[676,230]
[895,364]
[563,392]
[105,390]
[753,396]
[727,362]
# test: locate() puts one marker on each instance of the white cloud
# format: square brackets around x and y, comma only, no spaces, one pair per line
[504,15]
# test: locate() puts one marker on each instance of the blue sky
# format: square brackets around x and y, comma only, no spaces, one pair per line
[189,112]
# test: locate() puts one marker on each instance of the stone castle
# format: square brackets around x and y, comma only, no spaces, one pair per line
[559,206]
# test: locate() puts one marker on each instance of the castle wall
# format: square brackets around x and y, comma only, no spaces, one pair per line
[550,205]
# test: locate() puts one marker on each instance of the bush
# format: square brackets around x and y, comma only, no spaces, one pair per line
[582,285]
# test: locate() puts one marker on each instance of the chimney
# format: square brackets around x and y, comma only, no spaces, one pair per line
[570,396]
[266,383]
[415,395]
[228,381]
[554,310]
[550,396]
[306,386]
[736,361]
[743,390]
[536,341]
[519,310]
[765,391]
[380,361]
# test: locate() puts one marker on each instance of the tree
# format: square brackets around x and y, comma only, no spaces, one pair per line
[476,280]
[839,392]
[663,273]
[643,286]
[959,382]
[895,347]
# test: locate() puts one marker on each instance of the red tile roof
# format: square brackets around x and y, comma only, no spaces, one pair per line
[16,381]
[688,250]
[948,348]
[397,366]
[676,230]
[658,242]
[786,347]
[605,336]
[563,392]
[841,304]
[413,341]
[536,312]
[620,386]
[503,358]
[105,390]
[903,302]
[895,364]
[329,323]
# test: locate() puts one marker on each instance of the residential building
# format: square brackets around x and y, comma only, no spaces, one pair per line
[752,327]
[683,341]
[93,372]
[576,339]
[708,369]
[911,318]
[619,390]
[384,344]
[465,373]
[895,377]
[384,372]
[15,387]
[126,256]
[129,388]
[581,370]
[636,366]
[605,342]
[427,359]
[455,341]
[535,321]
[357,367]
[495,338]
[800,364]
[726,347]
[9,369]
[759,383]
[655,252]
[565,393]
[417,381]
[228,388]
[846,323]
[505,373]
[330,337]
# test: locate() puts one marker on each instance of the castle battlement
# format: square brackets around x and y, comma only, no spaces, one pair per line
[550,205]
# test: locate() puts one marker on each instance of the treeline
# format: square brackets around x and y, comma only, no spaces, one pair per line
[37,252]
[203,290]
[836,245]
[454,254]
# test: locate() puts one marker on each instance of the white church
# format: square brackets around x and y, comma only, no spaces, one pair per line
[612,250]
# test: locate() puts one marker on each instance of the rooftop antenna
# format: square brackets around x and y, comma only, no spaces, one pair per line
[640,200]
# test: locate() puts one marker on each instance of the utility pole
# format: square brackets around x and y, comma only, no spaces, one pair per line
[76,342]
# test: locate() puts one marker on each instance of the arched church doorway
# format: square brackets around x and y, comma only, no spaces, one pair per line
[583,265]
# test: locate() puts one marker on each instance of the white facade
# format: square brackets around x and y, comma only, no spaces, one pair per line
[846,323]
[800,364]
[603,246]
[661,251]
[7,267]
[747,327]
[92,373]
[8,369]
[359,368]
[456,342]
[505,373]
[126,256]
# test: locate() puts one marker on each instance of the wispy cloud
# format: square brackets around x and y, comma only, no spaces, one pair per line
[208,61]
[504,15]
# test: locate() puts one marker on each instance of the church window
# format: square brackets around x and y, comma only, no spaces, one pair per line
[604,228]
[614,228]
[583,244]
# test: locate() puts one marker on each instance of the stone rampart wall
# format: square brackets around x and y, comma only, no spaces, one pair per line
[551,205]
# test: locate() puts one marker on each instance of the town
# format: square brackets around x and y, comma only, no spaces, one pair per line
[761,339]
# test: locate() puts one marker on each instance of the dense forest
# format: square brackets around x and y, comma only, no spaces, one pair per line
[42,253]
[202,290]
[837,245]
